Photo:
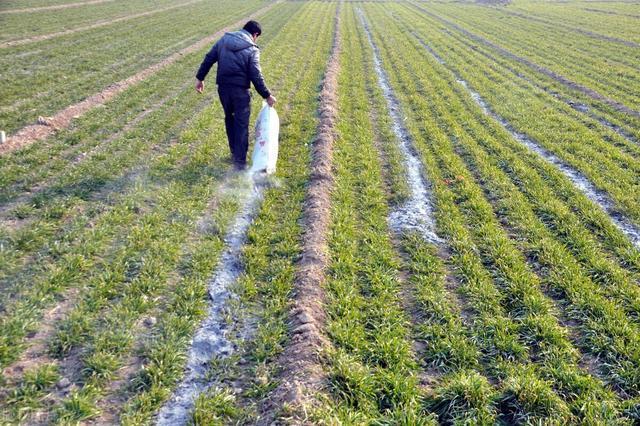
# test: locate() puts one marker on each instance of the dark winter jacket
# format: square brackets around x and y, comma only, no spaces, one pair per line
[238,59]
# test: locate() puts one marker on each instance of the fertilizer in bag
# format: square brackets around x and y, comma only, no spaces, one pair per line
[265,150]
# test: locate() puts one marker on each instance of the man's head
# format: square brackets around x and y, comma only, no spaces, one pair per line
[253,28]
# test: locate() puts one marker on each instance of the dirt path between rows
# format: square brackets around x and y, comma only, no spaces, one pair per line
[63,119]
[559,78]
[54,7]
[302,376]
[97,24]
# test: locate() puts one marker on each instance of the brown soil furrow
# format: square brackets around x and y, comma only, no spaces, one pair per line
[62,119]
[54,7]
[302,376]
[559,78]
[97,24]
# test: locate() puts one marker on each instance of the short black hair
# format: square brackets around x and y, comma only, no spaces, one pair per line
[253,27]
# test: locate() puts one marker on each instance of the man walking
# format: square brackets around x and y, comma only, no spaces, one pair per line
[238,59]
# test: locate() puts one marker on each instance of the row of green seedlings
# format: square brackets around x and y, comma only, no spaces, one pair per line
[28,6]
[582,89]
[15,169]
[532,349]
[449,347]
[554,84]
[32,222]
[610,77]
[29,167]
[610,168]
[165,170]
[616,281]
[36,218]
[117,293]
[43,88]
[581,15]
[220,347]
[292,53]
[602,43]
[597,220]
[579,180]
[65,248]
[591,34]
[589,109]
[29,24]
[241,382]
[612,19]
[596,276]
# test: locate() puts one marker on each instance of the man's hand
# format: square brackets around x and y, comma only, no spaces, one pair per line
[199,86]
[271,100]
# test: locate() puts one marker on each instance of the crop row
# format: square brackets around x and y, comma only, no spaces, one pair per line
[41,85]
[620,122]
[11,6]
[72,186]
[371,366]
[163,184]
[464,63]
[98,351]
[548,121]
[612,19]
[21,25]
[604,66]
[580,100]
[494,293]
[583,65]
[530,348]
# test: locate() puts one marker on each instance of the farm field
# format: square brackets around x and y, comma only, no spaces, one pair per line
[452,235]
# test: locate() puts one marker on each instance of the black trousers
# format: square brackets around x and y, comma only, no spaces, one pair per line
[236,102]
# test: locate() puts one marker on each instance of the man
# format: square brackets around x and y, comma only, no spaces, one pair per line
[238,59]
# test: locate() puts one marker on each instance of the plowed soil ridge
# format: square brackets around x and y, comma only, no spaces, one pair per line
[302,374]
[62,119]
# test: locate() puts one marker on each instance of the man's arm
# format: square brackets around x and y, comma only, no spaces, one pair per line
[255,74]
[209,59]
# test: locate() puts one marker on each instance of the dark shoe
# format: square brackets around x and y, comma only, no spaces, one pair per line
[240,166]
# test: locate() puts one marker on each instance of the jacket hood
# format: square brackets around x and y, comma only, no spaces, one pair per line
[238,40]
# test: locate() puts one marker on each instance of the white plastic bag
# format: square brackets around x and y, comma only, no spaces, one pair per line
[265,150]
